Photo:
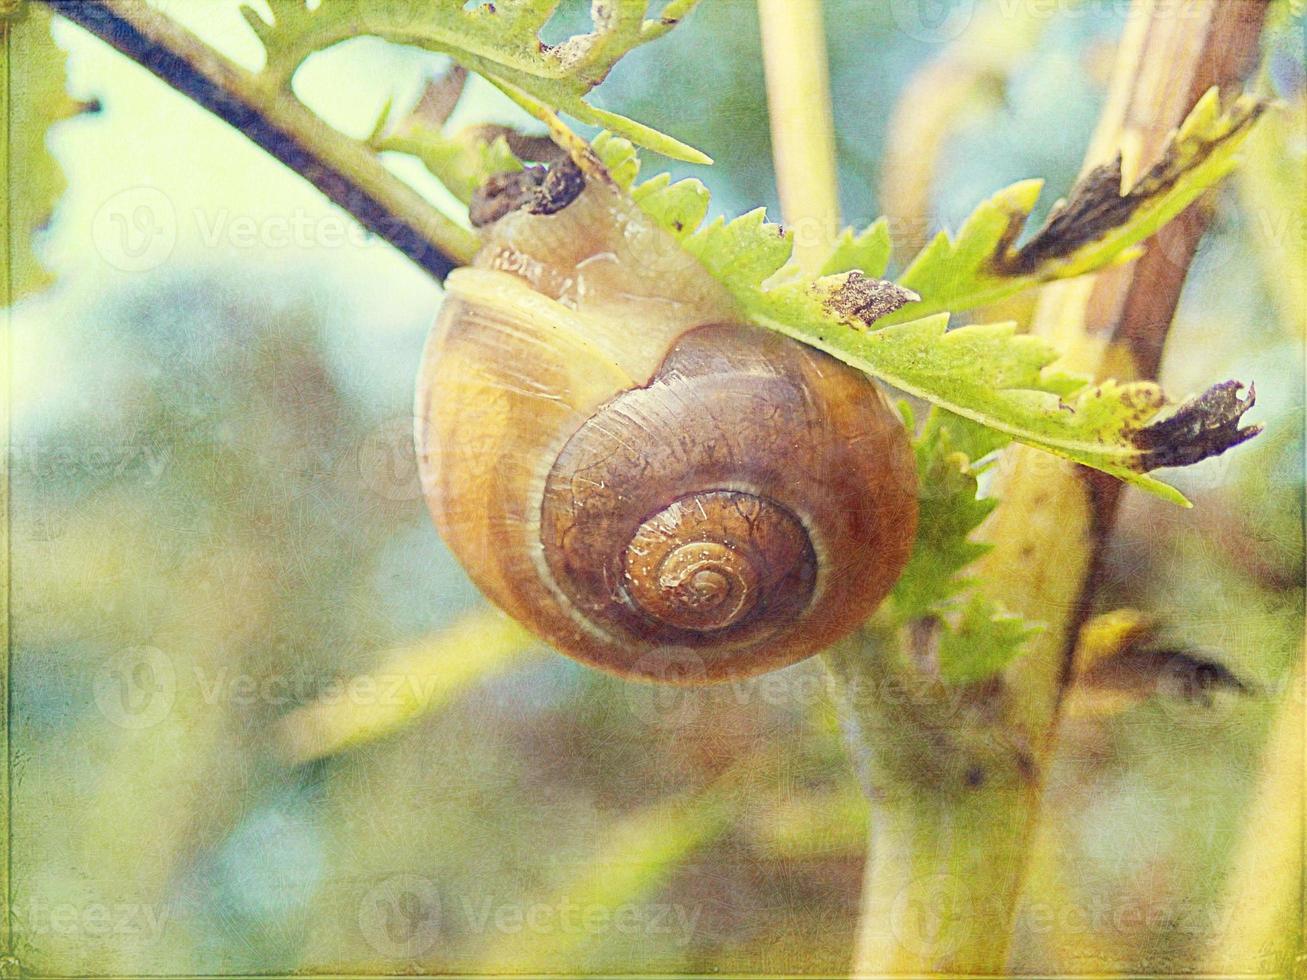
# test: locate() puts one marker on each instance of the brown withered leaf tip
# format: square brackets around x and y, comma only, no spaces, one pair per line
[525,146]
[1096,205]
[537,190]
[866,300]
[1205,425]
[439,97]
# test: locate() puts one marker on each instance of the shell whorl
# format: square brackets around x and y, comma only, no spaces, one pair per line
[748,505]
[719,559]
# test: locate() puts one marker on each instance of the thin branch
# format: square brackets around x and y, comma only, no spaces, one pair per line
[345,170]
[1136,304]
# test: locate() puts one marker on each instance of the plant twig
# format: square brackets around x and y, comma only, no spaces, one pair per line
[1054,518]
[349,173]
[802,127]
[941,889]
[1113,324]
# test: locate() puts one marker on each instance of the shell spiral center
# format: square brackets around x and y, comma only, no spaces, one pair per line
[712,560]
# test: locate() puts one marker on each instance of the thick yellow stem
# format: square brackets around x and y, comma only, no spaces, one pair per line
[802,127]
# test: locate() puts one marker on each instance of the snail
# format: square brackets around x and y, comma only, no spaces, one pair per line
[625,465]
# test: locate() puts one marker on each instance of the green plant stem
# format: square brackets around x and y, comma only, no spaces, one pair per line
[345,170]
[945,861]
[802,126]
[946,786]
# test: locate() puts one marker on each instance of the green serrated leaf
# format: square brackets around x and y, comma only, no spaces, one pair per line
[867,252]
[1099,225]
[976,442]
[986,375]
[948,511]
[954,270]
[679,208]
[34,99]
[982,641]
[976,638]
[741,253]
[499,41]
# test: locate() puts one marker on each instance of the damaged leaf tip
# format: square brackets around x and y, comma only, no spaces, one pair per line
[1204,426]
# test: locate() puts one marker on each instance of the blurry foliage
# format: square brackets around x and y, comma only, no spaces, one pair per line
[221,504]
[218,525]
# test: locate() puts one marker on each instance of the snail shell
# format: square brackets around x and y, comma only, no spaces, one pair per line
[652,485]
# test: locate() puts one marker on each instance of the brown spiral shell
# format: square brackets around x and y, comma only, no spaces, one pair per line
[652,485]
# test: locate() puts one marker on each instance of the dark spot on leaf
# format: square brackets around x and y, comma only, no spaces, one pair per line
[1206,425]
[975,777]
[866,300]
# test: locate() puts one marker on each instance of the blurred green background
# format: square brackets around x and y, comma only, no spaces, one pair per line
[262,722]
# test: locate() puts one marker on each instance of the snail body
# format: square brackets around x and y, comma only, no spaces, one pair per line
[651,484]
